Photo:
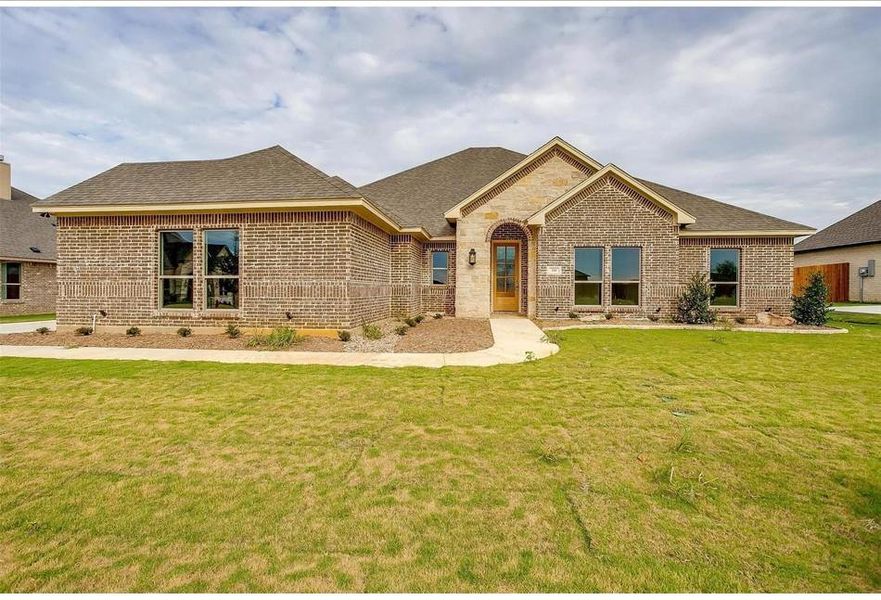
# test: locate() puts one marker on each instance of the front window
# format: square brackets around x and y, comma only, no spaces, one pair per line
[222,269]
[10,278]
[625,276]
[588,276]
[176,269]
[724,276]
[440,265]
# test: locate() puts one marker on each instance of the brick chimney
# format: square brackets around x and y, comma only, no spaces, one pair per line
[5,180]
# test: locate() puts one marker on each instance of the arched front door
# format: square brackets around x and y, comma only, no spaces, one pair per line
[506,276]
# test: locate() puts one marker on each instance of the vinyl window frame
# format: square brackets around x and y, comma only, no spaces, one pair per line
[735,283]
[599,282]
[5,285]
[206,276]
[613,281]
[445,270]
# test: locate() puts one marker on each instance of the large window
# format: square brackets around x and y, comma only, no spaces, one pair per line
[724,276]
[440,267]
[588,276]
[625,276]
[176,269]
[10,278]
[221,269]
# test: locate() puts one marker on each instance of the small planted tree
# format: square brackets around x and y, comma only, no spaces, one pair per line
[693,304]
[811,307]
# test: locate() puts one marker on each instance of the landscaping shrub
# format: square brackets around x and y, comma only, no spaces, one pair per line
[42,330]
[654,318]
[232,331]
[438,316]
[740,320]
[693,304]
[573,314]
[419,318]
[410,322]
[344,335]
[133,331]
[84,331]
[401,329]
[185,332]
[371,332]
[278,339]
[609,315]
[810,307]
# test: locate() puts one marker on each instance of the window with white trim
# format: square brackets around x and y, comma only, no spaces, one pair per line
[221,269]
[588,276]
[725,276]
[10,281]
[625,276]
[176,269]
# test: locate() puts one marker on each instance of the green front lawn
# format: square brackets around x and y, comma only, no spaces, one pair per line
[25,318]
[633,460]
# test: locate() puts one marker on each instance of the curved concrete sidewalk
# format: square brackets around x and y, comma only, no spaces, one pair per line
[513,338]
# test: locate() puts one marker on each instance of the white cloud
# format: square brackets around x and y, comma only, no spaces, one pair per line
[773,109]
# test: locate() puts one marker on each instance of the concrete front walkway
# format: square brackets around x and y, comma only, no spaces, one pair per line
[866,309]
[514,340]
[25,326]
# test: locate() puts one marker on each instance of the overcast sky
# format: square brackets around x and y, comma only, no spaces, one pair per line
[775,110]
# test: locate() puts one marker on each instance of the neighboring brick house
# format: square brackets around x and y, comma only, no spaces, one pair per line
[854,240]
[27,252]
[264,239]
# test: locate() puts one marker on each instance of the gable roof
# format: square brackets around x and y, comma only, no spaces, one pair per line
[555,142]
[419,195]
[682,217]
[21,229]
[269,174]
[862,227]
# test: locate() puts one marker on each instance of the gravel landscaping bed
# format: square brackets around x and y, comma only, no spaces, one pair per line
[432,335]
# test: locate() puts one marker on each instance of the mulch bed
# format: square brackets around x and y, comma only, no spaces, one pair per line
[432,335]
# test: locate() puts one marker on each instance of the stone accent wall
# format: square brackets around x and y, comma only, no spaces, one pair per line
[38,289]
[310,270]
[517,199]
[857,256]
[438,298]
[406,276]
[605,216]
[765,270]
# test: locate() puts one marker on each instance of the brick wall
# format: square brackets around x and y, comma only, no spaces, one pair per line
[37,291]
[604,215]
[325,269]
[765,270]
[857,256]
[406,273]
[438,298]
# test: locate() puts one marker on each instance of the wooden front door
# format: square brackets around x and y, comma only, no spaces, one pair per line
[506,277]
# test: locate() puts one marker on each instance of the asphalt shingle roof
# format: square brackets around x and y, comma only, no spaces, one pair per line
[268,174]
[418,197]
[21,229]
[862,227]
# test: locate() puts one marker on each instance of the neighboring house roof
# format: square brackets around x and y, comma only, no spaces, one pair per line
[862,227]
[22,230]
[268,174]
[420,195]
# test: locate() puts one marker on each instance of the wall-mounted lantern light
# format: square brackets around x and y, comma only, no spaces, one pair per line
[472,257]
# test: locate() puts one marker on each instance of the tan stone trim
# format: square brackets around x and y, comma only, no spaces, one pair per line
[21,259]
[610,170]
[555,143]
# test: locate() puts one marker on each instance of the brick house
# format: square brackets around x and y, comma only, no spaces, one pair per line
[853,242]
[27,252]
[480,231]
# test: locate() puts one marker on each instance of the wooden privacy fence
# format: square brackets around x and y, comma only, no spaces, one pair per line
[836,276]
